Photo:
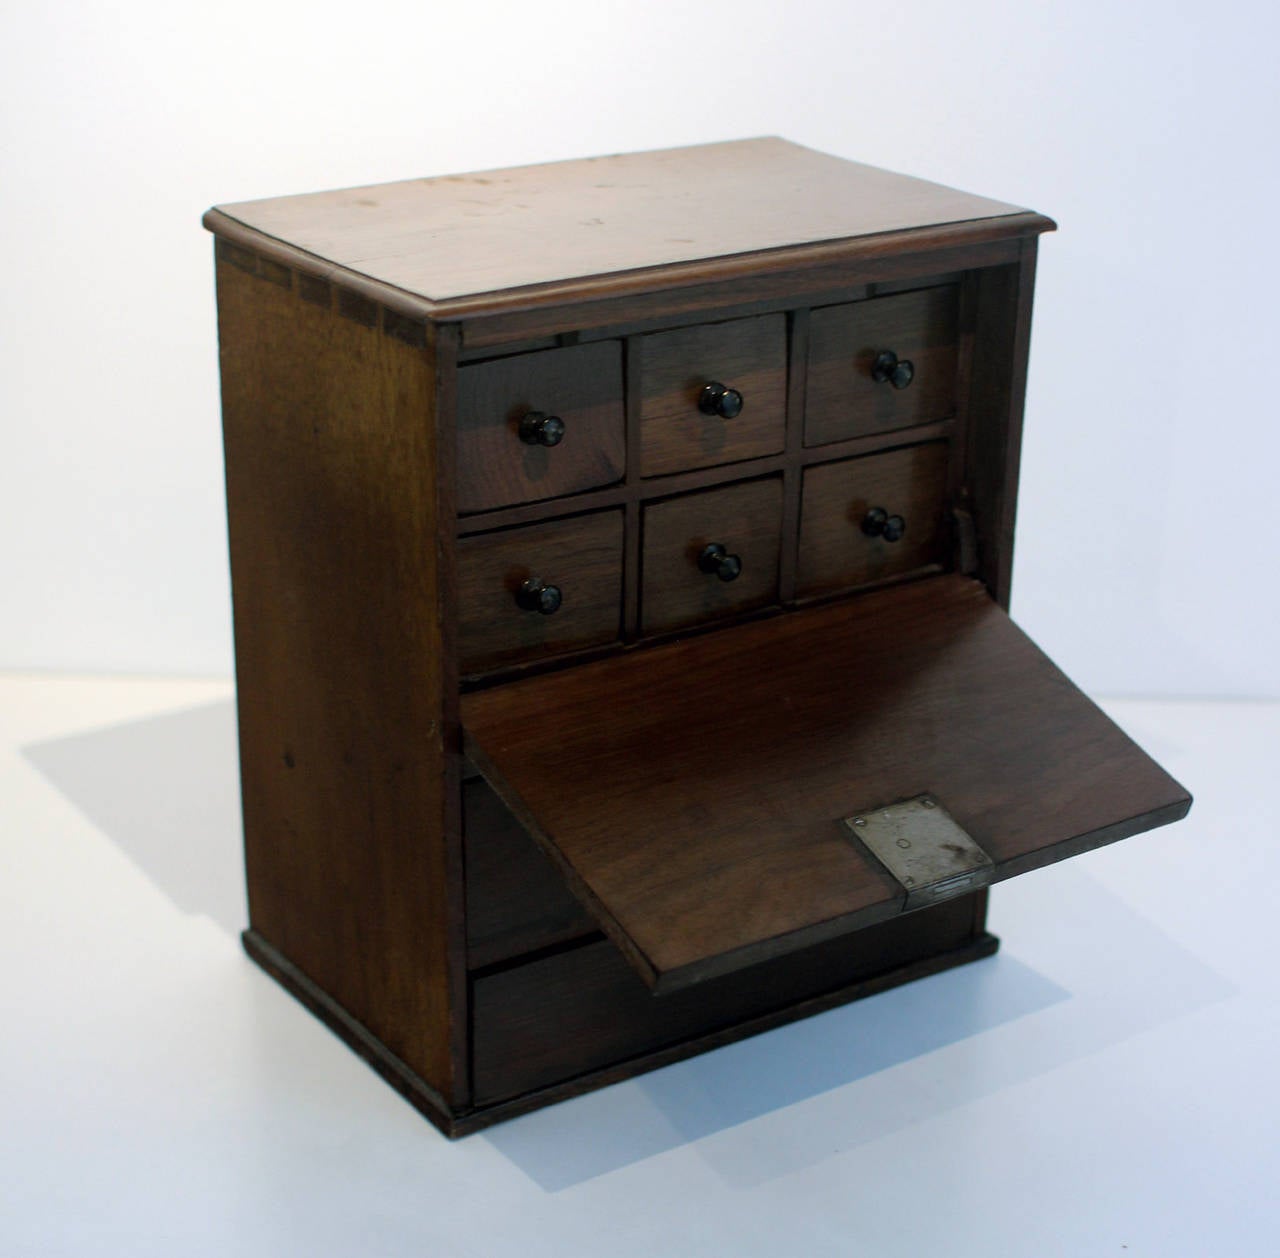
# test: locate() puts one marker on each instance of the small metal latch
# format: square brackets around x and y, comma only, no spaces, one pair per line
[924,848]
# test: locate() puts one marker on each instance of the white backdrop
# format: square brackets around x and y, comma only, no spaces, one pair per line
[1148,527]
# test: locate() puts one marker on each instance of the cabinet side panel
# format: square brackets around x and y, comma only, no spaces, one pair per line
[330,439]
[1001,332]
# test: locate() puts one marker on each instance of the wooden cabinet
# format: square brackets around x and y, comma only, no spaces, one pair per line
[621,557]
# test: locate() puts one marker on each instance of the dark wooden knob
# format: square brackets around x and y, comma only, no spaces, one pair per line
[716,561]
[537,429]
[879,523]
[718,399]
[888,368]
[536,596]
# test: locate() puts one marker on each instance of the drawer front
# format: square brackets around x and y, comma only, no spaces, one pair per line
[581,558]
[748,357]
[846,534]
[845,399]
[505,456]
[745,520]
[584,1009]
[517,901]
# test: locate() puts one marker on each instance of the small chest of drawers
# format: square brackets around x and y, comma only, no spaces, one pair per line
[621,555]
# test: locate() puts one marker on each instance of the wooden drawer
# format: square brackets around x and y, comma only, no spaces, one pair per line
[839,547]
[843,397]
[744,519]
[580,385]
[746,356]
[581,557]
[517,901]
[584,1009]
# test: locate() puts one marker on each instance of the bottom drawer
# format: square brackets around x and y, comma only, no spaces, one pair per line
[581,1010]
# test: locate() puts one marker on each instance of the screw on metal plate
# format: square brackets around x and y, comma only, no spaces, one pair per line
[924,848]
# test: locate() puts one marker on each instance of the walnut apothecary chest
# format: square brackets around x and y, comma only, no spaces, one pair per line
[621,555]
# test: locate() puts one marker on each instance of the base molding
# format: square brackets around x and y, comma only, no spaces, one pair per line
[416,1090]
[454,1123]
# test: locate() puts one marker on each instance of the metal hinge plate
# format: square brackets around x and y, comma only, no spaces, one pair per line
[924,848]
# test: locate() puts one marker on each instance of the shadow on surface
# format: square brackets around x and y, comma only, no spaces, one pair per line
[166,791]
[604,1131]
[864,1072]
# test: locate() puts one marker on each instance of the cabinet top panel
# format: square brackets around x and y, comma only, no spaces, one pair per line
[457,236]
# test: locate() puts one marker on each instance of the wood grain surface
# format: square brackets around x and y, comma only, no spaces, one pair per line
[844,400]
[749,355]
[457,235]
[581,384]
[694,792]
[720,288]
[331,448]
[746,519]
[834,552]
[1002,343]
[582,555]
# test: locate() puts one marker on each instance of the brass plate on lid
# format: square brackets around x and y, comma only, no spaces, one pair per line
[924,848]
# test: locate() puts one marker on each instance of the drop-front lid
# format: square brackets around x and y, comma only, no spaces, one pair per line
[737,795]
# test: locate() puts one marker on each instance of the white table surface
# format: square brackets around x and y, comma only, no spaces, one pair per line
[1105,1085]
